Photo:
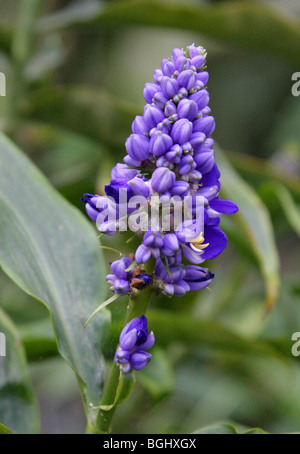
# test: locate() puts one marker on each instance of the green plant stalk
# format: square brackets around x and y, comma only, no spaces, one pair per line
[136,307]
[22,46]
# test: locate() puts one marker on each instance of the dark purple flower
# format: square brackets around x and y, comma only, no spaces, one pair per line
[197,277]
[134,340]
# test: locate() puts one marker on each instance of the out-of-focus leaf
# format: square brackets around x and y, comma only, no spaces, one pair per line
[5,430]
[251,165]
[228,429]
[246,23]
[169,328]
[67,157]
[38,340]
[81,11]
[254,220]
[288,205]
[125,387]
[158,377]
[50,251]
[89,111]
[18,409]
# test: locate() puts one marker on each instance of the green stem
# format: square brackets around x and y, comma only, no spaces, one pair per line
[136,307]
[22,46]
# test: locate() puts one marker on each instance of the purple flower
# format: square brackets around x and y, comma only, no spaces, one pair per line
[118,267]
[182,130]
[197,277]
[138,147]
[169,153]
[187,108]
[169,87]
[121,286]
[162,179]
[134,340]
[152,116]
[139,187]
[160,143]
[149,92]
[206,125]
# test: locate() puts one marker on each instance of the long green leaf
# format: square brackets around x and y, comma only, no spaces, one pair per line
[50,251]
[18,406]
[229,429]
[255,224]
[168,328]
[249,23]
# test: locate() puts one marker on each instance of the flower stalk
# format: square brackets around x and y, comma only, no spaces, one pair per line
[137,306]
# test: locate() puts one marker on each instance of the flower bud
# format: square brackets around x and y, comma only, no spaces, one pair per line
[180,188]
[139,126]
[150,90]
[167,67]
[119,266]
[152,115]
[201,98]
[187,109]
[181,131]
[206,125]
[138,147]
[121,287]
[139,187]
[187,79]
[186,165]
[162,179]
[203,77]
[169,86]
[174,154]
[160,143]
[142,254]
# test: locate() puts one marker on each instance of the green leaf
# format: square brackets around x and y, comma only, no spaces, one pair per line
[5,430]
[38,340]
[249,24]
[125,387]
[157,378]
[228,429]
[252,166]
[81,11]
[50,250]
[255,223]
[18,409]
[288,205]
[89,111]
[169,327]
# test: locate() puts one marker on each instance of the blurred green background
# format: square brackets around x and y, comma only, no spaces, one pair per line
[75,73]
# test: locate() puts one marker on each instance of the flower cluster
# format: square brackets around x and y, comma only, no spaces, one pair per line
[169,156]
[134,340]
[122,281]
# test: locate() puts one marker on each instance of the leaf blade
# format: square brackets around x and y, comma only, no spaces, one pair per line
[50,251]
[18,409]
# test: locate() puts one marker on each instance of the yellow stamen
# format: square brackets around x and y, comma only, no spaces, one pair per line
[197,243]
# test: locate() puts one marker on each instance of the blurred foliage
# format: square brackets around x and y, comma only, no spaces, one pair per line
[75,72]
